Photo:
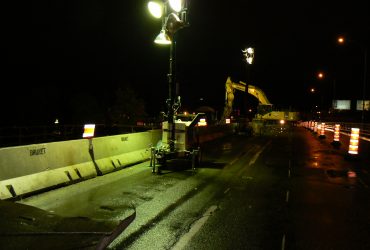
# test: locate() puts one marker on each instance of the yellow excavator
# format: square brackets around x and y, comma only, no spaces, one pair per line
[265,113]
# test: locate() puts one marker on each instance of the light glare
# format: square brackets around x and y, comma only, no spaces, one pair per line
[341,40]
[163,38]
[155,9]
[249,55]
[176,5]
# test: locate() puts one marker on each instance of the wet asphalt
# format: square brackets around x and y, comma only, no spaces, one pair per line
[286,190]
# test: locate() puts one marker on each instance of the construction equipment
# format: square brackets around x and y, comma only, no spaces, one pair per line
[265,110]
[185,144]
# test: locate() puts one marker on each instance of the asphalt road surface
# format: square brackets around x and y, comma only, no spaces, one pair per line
[285,190]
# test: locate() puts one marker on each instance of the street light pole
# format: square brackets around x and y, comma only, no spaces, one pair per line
[321,76]
[342,40]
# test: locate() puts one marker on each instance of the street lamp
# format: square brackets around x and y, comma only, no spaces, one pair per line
[315,110]
[174,17]
[342,40]
[321,76]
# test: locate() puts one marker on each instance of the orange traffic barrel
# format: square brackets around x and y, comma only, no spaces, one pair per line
[353,141]
[322,131]
[337,132]
[336,140]
[315,127]
[351,174]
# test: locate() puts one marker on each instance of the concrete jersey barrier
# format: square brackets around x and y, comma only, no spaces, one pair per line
[33,168]
[30,168]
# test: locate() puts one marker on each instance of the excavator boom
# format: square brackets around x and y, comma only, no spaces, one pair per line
[259,94]
[264,104]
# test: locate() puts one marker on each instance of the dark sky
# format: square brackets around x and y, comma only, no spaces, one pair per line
[57,52]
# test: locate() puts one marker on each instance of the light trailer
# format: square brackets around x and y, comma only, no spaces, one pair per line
[186,143]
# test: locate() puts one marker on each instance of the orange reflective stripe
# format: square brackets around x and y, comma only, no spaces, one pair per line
[353,142]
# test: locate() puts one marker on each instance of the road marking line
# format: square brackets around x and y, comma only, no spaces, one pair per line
[255,157]
[238,157]
[289,173]
[232,163]
[283,243]
[287,196]
[195,227]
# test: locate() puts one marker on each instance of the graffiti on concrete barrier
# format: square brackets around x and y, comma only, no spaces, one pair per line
[37,151]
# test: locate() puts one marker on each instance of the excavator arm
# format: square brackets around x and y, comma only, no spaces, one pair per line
[229,96]
[231,86]
[259,94]
[264,109]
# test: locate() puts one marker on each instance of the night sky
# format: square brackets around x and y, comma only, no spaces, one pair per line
[61,55]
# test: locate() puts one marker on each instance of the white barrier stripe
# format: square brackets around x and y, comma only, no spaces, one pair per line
[255,157]
[348,134]
[283,243]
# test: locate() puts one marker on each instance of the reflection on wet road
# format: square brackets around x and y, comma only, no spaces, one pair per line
[288,190]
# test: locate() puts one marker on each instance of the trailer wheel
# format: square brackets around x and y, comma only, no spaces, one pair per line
[160,158]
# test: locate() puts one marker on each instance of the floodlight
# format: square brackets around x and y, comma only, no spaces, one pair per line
[163,38]
[155,8]
[176,5]
[249,55]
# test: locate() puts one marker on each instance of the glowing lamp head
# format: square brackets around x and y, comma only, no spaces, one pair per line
[176,5]
[163,38]
[249,55]
[155,8]
[341,40]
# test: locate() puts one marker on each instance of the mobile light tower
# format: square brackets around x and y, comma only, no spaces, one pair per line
[173,14]
[248,57]
[248,54]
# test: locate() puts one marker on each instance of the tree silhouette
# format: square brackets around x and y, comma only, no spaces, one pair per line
[127,107]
